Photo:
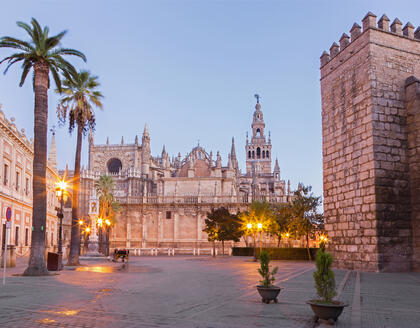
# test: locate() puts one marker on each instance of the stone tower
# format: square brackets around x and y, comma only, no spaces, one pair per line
[371,146]
[258,151]
[145,152]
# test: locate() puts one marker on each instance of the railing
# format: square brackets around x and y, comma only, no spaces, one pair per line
[169,251]
[179,199]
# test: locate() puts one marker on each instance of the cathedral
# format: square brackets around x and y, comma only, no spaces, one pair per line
[164,200]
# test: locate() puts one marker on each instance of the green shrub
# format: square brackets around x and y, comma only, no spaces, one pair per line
[264,270]
[289,253]
[324,276]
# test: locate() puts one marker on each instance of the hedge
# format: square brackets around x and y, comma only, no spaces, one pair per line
[289,253]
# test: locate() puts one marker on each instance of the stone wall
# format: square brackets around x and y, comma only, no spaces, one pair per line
[413,129]
[365,145]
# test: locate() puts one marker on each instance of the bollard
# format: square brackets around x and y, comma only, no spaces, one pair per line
[139,252]
[135,252]
[173,251]
[216,252]
[193,251]
[198,252]
[169,252]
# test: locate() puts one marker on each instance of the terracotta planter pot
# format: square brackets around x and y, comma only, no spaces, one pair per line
[268,294]
[327,311]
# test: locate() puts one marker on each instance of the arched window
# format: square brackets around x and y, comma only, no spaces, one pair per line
[249,154]
[263,153]
[267,154]
[258,132]
[253,154]
[258,152]
[114,165]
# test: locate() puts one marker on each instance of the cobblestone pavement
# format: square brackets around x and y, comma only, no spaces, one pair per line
[199,292]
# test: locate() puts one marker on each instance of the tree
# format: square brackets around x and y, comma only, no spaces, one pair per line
[108,206]
[43,54]
[221,225]
[259,214]
[79,96]
[305,212]
[280,226]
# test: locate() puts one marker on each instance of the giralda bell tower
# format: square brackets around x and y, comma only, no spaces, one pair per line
[258,151]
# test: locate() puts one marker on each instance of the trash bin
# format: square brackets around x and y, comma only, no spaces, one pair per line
[54,261]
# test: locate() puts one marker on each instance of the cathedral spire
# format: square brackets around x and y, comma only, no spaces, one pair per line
[218,160]
[52,156]
[233,151]
[146,130]
[276,166]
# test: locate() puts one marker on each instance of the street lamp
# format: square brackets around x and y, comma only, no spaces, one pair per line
[259,226]
[60,189]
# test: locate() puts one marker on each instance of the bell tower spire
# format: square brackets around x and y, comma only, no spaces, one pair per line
[258,150]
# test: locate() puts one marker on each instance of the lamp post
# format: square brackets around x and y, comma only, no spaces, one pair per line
[259,226]
[60,190]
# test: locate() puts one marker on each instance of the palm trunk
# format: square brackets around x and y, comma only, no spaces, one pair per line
[278,240]
[214,248]
[36,265]
[75,233]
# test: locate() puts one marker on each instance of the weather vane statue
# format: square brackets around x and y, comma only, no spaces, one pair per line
[258,97]
[53,130]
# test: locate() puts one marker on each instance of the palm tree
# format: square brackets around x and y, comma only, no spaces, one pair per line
[108,206]
[43,54]
[79,96]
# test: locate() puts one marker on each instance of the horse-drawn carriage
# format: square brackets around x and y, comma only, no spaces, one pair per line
[121,253]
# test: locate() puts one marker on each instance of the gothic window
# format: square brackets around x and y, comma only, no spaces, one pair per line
[258,132]
[253,154]
[263,154]
[258,152]
[267,154]
[249,154]
[114,165]
[168,214]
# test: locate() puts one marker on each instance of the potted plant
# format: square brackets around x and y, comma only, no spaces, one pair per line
[325,307]
[267,290]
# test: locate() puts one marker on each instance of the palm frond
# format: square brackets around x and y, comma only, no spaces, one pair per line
[27,28]
[68,51]
[56,77]
[27,65]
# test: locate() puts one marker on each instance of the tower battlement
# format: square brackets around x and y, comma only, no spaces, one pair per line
[369,23]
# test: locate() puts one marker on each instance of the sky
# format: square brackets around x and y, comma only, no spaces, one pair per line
[190,69]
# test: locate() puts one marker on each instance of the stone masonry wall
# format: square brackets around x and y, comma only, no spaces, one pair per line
[413,128]
[367,200]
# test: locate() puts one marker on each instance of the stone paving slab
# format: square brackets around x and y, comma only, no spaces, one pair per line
[199,292]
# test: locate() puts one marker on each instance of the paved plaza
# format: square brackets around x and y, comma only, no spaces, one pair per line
[198,292]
